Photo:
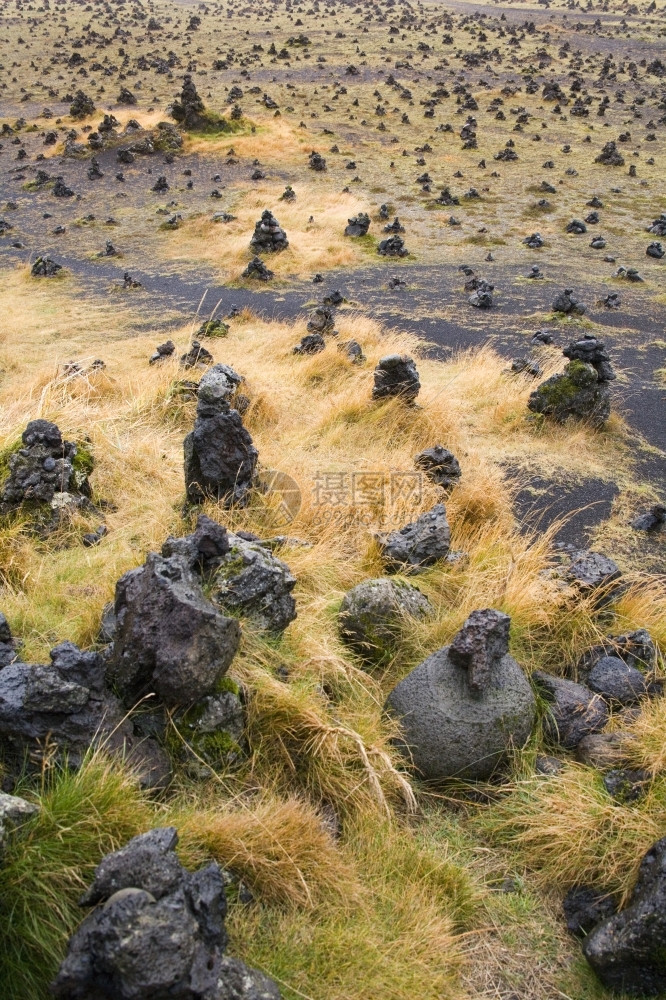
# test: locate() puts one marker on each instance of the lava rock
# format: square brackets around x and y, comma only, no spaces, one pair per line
[610,156]
[251,581]
[576,393]
[373,613]
[358,225]
[394,246]
[169,638]
[419,544]
[574,710]
[626,785]
[466,705]
[655,250]
[14,811]
[44,470]
[591,351]
[616,681]
[268,237]
[220,459]
[440,466]
[162,352]
[311,343]
[396,375]
[45,267]
[321,320]
[189,111]
[567,303]
[257,269]
[652,520]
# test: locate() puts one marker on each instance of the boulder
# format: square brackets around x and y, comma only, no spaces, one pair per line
[591,571]
[251,581]
[316,162]
[655,250]
[396,375]
[440,466]
[603,750]
[574,710]
[157,932]
[627,950]
[189,111]
[577,393]
[321,320]
[393,246]
[45,267]
[610,156]
[584,907]
[482,296]
[13,812]
[65,708]
[220,459]
[466,705]
[372,614]
[169,638]
[419,544]
[353,351]
[616,681]
[652,520]
[9,647]
[311,343]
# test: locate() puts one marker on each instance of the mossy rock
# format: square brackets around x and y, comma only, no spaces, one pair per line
[211,734]
[373,614]
[576,393]
[213,328]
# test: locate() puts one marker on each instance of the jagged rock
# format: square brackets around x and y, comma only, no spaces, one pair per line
[288,194]
[419,544]
[610,156]
[655,250]
[394,246]
[576,393]
[220,459]
[162,352]
[372,614]
[358,225]
[13,812]
[658,227]
[196,357]
[311,343]
[258,270]
[446,198]
[534,242]
[353,350]
[574,710]
[168,638]
[45,470]
[584,907]
[591,571]
[577,227]
[268,237]
[616,681]
[628,274]
[321,320]
[126,97]
[396,375]
[251,581]
[157,932]
[45,267]
[82,106]
[525,366]
[466,705]
[189,110]
[482,297]
[593,352]
[65,707]
[652,520]
[394,227]
[440,466]
[566,303]
[316,162]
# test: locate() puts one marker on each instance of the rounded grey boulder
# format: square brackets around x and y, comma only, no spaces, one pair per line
[465,705]
[372,613]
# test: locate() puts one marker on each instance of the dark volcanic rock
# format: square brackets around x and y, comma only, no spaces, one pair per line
[311,343]
[616,681]
[396,375]
[189,110]
[251,581]
[576,393]
[157,932]
[575,711]
[394,246]
[591,351]
[9,646]
[464,707]
[45,267]
[82,106]
[220,459]
[268,237]
[372,614]
[610,156]
[257,269]
[440,466]
[358,225]
[64,708]
[321,320]
[567,303]
[419,544]
[627,950]
[44,470]
[168,639]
